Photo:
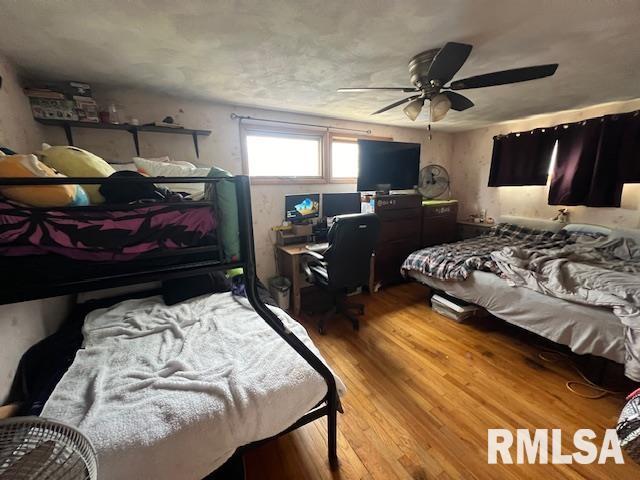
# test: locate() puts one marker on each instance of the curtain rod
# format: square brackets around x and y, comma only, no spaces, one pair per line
[235,116]
[613,116]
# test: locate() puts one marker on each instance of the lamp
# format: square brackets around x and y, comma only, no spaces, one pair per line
[440,105]
[413,108]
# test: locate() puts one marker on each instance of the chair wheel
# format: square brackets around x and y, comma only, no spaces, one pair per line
[321,328]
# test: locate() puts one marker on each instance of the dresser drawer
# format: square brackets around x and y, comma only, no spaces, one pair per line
[439,224]
[449,210]
[393,215]
[400,229]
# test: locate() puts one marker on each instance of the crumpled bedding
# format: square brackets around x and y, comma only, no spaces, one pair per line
[171,392]
[602,272]
[456,261]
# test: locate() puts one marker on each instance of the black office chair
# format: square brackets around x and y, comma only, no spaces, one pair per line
[345,264]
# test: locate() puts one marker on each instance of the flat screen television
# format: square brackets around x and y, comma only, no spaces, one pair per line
[387,165]
[301,207]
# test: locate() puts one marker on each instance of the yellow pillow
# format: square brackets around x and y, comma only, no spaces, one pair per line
[28,166]
[75,162]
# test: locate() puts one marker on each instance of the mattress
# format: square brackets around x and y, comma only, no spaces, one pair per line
[171,392]
[103,233]
[586,330]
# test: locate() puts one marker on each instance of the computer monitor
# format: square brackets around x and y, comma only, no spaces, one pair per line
[301,207]
[340,203]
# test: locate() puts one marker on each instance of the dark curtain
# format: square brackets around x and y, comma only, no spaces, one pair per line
[521,159]
[629,162]
[594,160]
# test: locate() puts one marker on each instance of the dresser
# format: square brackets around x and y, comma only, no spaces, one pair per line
[438,222]
[400,234]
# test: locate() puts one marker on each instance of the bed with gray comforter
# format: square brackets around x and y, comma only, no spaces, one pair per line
[583,288]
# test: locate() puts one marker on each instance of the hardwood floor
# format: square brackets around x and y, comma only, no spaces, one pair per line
[422,392]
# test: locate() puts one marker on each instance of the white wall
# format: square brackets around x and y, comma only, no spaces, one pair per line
[471,161]
[222,149]
[18,130]
[21,324]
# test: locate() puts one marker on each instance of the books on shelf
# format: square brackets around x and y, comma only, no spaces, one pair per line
[71,101]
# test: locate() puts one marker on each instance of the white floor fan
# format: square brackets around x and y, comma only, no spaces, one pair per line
[37,448]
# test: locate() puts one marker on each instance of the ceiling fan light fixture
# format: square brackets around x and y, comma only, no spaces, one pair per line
[440,105]
[413,108]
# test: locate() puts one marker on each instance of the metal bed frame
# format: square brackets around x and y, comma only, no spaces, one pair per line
[37,288]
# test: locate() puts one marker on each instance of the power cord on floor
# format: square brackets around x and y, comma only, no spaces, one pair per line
[548,356]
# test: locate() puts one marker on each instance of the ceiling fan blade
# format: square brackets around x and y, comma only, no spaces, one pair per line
[506,76]
[379,89]
[458,102]
[448,61]
[395,104]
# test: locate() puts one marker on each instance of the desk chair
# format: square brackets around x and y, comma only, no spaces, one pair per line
[345,264]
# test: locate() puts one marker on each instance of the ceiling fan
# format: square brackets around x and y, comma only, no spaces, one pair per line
[430,72]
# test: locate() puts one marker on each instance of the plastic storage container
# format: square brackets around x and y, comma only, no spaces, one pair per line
[454,308]
[280,288]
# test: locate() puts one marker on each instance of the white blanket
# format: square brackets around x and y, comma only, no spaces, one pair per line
[171,392]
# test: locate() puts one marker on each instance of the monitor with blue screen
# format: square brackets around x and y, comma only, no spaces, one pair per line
[301,207]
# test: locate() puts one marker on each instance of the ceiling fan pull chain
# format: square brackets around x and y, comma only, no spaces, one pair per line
[429,125]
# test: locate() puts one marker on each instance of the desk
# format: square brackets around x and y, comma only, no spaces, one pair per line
[288,258]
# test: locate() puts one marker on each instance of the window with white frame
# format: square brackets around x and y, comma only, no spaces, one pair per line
[281,153]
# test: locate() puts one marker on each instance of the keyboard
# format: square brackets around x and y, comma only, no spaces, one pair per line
[317,247]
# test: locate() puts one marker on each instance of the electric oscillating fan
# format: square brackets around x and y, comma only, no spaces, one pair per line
[433,181]
[37,448]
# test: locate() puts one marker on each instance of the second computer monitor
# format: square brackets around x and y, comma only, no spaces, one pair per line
[340,203]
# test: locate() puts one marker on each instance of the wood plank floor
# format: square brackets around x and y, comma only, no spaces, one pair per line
[422,392]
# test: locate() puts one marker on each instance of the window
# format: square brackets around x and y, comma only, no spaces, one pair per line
[344,158]
[275,154]
[283,153]
[552,163]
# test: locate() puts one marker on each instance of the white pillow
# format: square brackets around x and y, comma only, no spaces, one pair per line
[586,228]
[119,167]
[164,159]
[183,163]
[164,169]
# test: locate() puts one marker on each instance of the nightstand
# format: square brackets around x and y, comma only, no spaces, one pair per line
[472,229]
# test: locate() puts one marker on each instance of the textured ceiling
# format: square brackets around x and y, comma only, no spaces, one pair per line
[293,54]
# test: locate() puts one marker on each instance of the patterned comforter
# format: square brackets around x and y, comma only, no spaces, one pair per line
[103,234]
[456,261]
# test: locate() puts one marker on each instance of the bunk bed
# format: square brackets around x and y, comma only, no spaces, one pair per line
[46,272]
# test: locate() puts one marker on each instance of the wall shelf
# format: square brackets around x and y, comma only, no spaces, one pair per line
[67,125]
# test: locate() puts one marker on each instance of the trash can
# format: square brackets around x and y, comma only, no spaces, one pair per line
[280,288]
